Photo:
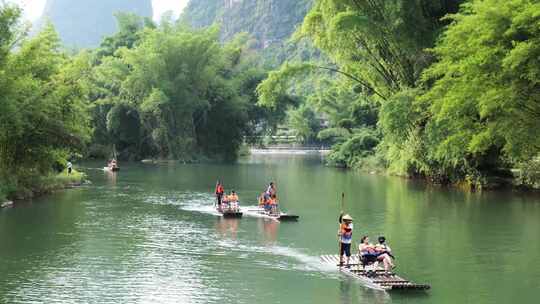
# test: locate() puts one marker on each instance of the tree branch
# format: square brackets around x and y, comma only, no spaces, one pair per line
[360,81]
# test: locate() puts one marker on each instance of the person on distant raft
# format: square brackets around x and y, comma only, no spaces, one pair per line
[274,204]
[271,190]
[219,193]
[232,200]
[233,197]
[113,164]
[345,237]
[69,167]
[266,197]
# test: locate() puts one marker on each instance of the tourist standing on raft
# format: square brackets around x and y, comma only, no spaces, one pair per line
[345,237]
[112,164]
[271,190]
[267,195]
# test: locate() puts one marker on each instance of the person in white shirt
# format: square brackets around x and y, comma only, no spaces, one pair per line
[345,237]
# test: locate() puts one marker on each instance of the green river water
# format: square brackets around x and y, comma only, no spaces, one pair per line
[149,235]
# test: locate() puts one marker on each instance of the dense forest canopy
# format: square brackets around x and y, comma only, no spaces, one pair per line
[441,89]
[156,91]
[172,92]
[43,116]
[444,90]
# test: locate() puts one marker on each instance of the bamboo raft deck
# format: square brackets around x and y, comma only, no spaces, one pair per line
[230,213]
[373,278]
[281,216]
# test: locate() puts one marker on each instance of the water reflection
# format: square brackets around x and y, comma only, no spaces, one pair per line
[269,229]
[350,292]
[227,227]
[152,236]
[111,177]
[345,292]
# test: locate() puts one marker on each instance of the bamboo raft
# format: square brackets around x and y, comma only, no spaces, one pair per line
[229,212]
[373,278]
[281,216]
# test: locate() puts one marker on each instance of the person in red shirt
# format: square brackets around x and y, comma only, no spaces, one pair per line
[219,193]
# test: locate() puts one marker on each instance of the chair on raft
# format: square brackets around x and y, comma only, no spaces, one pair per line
[367,260]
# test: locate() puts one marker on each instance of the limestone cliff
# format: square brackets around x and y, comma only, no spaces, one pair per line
[83,23]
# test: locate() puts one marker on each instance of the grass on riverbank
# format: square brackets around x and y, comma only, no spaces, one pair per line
[31,186]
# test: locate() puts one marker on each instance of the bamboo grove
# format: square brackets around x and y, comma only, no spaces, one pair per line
[445,90]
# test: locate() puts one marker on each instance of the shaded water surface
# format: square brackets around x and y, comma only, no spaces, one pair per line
[149,235]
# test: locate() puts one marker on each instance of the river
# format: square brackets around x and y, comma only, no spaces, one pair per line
[148,235]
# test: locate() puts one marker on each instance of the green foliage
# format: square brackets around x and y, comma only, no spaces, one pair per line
[174,92]
[355,149]
[273,91]
[304,123]
[378,49]
[129,31]
[43,99]
[474,113]
[529,173]
[478,111]
[380,42]
[485,96]
[9,17]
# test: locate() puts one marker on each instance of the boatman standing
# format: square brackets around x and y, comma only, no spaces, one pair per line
[345,237]
[219,193]
[271,190]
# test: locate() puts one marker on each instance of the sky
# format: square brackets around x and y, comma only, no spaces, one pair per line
[33,8]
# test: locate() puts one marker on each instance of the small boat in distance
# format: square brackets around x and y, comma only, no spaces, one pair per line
[228,205]
[279,215]
[269,207]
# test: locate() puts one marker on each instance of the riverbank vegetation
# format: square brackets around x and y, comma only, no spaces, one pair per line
[148,91]
[444,90]
[169,91]
[43,116]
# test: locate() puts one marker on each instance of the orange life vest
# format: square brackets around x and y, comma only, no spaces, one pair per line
[219,189]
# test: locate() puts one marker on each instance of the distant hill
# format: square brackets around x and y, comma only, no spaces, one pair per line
[83,23]
[270,22]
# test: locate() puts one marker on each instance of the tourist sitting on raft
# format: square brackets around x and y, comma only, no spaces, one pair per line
[268,199]
[376,253]
[273,204]
[269,203]
[230,201]
[233,197]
